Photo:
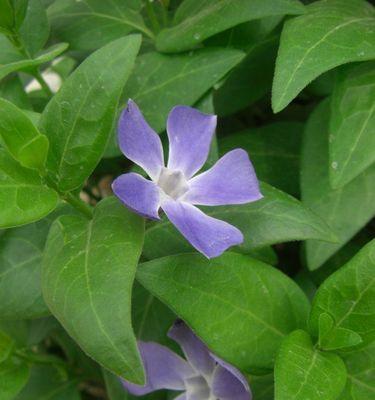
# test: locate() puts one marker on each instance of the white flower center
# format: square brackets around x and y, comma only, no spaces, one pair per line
[197,387]
[173,183]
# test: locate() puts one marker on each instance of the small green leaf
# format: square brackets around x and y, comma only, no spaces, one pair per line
[213,296]
[161,81]
[21,138]
[6,346]
[274,151]
[12,61]
[360,365]
[276,218]
[47,383]
[262,387]
[303,372]
[346,210]
[79,118]
[23,196]
[88,269]
[348,297]
[11,89]
[196,21]
[332,338]
[90,24]
[14,375]
[34,30]
[352,140]
[331,33]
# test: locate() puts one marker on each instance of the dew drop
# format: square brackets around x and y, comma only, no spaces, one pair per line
[197,36]
[334,165]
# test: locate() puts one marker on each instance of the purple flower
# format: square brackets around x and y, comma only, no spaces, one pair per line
[202,377]
[174,188]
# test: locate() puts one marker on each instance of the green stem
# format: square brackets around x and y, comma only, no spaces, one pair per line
[79,205]
[38,76]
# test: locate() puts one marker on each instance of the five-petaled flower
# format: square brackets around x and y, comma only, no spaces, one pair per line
[174,188]
[202,377]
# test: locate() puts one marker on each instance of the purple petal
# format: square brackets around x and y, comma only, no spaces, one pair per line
[139,142]
[181,397]
[233,370]
[138,194]
[190,134]
[164,370]
[208,235]
[228,383]
[194,349]
[231,180]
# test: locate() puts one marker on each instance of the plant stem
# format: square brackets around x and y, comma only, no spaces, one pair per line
[38,76]
[79,205]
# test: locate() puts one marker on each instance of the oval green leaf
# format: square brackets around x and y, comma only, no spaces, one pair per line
[197,20]
[79,118]
[87,278]
[23,196]
[348,297]
[303,372]
[352,123]
[213,296]
[345,210]
[331,33]
[21,138]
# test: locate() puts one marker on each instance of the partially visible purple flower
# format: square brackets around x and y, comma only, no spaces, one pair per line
[203,376]
[174,188]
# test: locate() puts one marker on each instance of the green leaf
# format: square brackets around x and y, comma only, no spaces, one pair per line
[348,297]
[6,346]
[34,30]
[276,218]
[303,372]
[250,80]
[196,21]
[21,251]
[331,338]
[88,268]
[274,151]
[161,81]
[11,60]
[330,34]
[90,24]
[347,209]
[352,140]
[14,375]
[47,383]
[79,117]
[360,365]
[21,138]
[23,196]
[234,290]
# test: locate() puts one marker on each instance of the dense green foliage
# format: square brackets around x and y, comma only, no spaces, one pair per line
[82,278]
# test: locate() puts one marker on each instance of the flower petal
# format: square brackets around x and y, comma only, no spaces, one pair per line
[139,142]
[190,134]
[194,349]
[138,194]
[229,383]
[181,397]
[208,235]
[164,370]
[231,180]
